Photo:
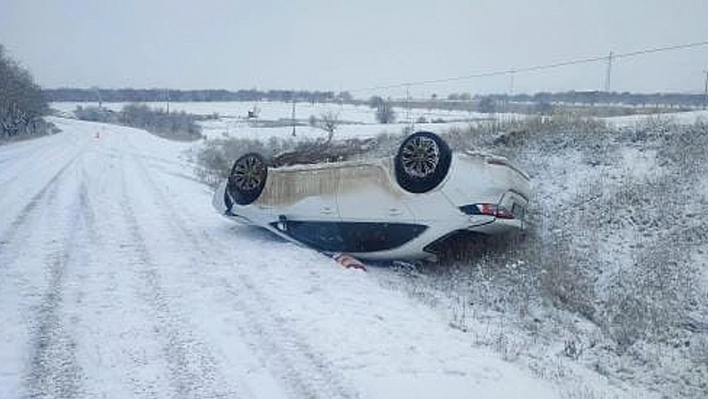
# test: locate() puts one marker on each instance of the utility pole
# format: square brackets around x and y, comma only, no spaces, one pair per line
[293,118]
[608,77]
[408,107]
[705,91]
[98,96]
[341,100]
[511,89]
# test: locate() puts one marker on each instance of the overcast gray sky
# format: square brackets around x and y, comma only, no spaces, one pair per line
[328,44]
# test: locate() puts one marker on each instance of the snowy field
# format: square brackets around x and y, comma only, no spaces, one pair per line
[355,121]
[279,110]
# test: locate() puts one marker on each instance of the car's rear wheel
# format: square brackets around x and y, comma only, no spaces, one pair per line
[422,162]
[247,179]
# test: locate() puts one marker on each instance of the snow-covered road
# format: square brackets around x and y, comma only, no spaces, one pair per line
[118,280]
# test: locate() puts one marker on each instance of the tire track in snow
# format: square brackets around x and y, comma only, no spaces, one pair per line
[54,371]
[34,310]
[29,164]
[305,372]
[116,338]
[87,215]
[53,368]
[27,149]
[192,368]
[36,154]
[21,218]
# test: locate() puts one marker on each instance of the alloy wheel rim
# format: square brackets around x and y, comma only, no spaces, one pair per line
[248,173]
[420,156]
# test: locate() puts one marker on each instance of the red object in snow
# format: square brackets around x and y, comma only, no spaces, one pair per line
[349,262]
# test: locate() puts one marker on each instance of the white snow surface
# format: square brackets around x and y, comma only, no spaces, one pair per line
[118,279]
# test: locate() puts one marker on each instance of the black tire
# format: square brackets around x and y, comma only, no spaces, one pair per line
[422,162]
[247,179]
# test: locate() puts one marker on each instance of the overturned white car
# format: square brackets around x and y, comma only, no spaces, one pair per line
[400,207]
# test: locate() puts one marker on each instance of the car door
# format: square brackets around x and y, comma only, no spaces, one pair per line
[367,194]
[303,193]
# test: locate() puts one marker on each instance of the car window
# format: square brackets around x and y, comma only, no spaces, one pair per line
[352,236]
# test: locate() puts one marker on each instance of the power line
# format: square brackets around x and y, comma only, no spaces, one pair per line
[534,68]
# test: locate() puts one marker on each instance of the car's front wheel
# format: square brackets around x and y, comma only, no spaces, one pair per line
[247,179]
[422,162]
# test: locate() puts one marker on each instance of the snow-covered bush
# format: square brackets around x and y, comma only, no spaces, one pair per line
[566,278]
[95,114]
[215,157]
[179,125]
[174,125]
[651,300]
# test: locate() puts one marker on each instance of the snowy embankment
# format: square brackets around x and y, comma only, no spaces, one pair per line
[117,279]
[610,281]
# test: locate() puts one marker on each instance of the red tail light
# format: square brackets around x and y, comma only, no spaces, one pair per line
[495,210]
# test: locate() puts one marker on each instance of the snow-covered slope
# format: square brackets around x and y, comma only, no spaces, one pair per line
[117,279]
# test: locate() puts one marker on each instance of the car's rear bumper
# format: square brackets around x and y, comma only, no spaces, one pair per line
[499,226]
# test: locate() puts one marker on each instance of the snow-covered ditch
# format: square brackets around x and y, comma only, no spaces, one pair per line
[610,280]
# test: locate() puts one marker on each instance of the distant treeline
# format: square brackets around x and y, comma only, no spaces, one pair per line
[588,103]
[484,103]
[605,98]
[145,95]
[584,98]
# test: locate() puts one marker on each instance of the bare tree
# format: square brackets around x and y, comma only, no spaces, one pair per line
[330,122]
[22,103]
